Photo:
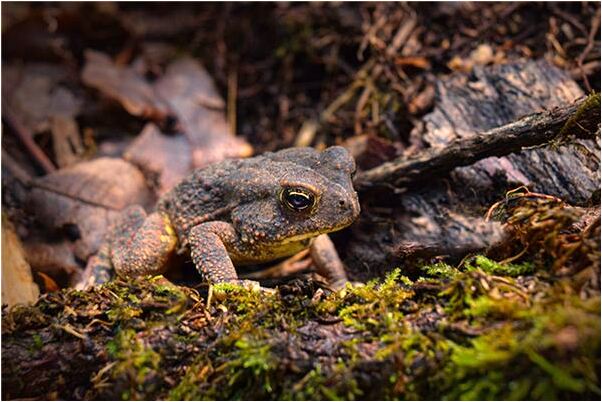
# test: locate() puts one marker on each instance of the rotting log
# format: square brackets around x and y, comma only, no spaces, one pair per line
[147,339]
[479,145]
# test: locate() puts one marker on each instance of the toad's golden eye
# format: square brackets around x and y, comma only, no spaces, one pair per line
[297,198]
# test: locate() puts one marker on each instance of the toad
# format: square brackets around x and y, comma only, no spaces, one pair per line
[239,212]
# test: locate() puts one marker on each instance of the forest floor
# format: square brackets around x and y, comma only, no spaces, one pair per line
[476,130]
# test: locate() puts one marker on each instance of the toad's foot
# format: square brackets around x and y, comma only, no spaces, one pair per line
[219,291]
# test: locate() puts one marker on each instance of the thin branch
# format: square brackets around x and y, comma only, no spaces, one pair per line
[590,44]
[26,138]
[532,130]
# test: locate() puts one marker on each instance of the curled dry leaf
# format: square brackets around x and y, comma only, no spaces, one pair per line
[125,85]
[36,94]
[54,259]
[66,140]
[369,150]
[17,282]
[191,94]
[199,109]
[83,199]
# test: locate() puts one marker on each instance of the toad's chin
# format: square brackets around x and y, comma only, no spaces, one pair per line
[305,236]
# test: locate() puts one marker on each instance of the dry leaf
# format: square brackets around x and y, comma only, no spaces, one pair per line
[168,158]
[190,92]
[49,283]
[83,199]
[17,282]
[66,140]
[35,93]
[125,85]
[54,259]
[369,150]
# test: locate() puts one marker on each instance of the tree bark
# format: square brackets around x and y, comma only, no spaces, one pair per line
[478,146]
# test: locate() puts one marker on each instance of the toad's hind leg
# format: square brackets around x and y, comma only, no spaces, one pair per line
[140,244]
[328,262]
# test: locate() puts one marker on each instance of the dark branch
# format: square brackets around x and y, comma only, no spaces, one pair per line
[540,128]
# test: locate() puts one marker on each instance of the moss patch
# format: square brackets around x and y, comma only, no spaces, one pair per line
[489,329]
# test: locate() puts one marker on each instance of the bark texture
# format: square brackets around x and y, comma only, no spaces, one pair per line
[444,192]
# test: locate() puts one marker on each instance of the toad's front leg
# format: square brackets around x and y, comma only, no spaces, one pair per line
[209,242]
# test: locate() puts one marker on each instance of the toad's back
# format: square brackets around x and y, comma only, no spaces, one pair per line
[204,195]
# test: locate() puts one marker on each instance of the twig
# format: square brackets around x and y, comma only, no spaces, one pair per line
[589,46]
[570,18]
[13,166]
[288,267]
[26,138]
[535,129]
[232,90]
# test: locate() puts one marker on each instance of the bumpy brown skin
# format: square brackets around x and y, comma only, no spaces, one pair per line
[231,213]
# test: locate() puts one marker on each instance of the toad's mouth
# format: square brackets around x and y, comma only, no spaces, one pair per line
[310,235]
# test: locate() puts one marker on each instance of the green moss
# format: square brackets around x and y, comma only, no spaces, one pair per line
[123,312]
[37,341]
[241,363]
[439,270]
[481,333]
[336,384]
[135,364]
[534,350]
[589,106]
[374,307]
[494,268]
[245,371]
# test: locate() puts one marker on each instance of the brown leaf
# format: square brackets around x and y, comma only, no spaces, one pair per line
[84,199]
[168,158]
[49,283]
[34,92]
[199,108]
[54,259]
[17,282]
[36,95]
[125,85]
[66,140]
[369,150]
[190,92]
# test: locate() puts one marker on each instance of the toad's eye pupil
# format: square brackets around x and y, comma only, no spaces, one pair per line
[298,200]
